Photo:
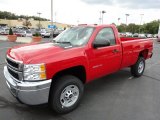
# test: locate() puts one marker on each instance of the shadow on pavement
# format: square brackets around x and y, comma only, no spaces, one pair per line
[39,111]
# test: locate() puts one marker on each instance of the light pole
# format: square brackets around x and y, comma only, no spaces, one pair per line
[100,18]
[52,17]
[141,18]
[39,19]
[126,21]
[55,19]
[119,20]
[140,22]
[78,21]
[102,15]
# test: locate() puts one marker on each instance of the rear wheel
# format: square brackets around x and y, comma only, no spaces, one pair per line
[65,94]
[138,68]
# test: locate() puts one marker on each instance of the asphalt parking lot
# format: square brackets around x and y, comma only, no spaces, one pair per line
[118,96]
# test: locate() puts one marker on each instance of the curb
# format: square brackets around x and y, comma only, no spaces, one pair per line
[19,39]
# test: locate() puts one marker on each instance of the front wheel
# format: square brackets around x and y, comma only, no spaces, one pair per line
[65,94]
[138,68]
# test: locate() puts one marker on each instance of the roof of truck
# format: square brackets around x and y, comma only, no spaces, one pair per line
[96,25]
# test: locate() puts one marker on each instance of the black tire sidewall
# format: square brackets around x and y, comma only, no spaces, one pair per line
[134,68]
[57,89]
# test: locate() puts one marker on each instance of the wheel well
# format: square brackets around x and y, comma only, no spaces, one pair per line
[144,54]
[78,71]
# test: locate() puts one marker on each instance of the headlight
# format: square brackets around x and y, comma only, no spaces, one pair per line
[34,72]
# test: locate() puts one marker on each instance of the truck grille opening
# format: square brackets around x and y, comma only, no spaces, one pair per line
[13,74]
[11,63]
[14,68]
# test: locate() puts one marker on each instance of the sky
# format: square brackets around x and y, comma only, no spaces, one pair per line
[87,11]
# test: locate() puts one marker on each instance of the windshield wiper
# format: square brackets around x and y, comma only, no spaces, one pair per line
[64,42]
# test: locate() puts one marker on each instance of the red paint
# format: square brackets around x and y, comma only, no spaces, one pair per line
[97,62]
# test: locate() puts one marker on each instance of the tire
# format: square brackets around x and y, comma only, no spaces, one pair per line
[138,68]
[65,94]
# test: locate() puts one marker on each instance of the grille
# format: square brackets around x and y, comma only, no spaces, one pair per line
[13,74]
[12,64]
[15,68]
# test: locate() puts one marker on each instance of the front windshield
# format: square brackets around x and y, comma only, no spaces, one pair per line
[75,36]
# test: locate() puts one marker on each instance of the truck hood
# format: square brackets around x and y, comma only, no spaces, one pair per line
[27,53]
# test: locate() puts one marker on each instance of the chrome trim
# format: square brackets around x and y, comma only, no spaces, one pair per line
[31,93]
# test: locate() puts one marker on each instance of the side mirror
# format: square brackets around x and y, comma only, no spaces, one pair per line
[101,43]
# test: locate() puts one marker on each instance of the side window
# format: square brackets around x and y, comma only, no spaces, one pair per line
[106,34]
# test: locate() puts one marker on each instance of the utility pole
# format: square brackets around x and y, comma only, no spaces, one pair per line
[51,12]
[52,17]
[102,15]
[39,19]
[126,21]
[140,22]
[100,18]
[119,21]
[78,21]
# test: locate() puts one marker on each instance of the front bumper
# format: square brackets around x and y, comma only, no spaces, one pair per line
[30,93]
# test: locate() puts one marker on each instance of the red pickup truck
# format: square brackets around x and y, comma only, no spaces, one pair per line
[56,72]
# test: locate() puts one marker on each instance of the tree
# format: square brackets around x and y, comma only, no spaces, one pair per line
[12,16]
[151,28]
[133,28]
[10,32]
[121,28]
[27,23]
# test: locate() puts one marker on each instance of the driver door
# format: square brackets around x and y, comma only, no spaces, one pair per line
[105,59]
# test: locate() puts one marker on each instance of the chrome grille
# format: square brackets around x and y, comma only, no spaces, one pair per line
[15,68]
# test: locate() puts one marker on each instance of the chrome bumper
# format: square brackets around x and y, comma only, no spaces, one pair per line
[31,93]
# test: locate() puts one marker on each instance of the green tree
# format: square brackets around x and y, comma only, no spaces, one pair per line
[12,16]
[10,32]
[122,28]
[151,27]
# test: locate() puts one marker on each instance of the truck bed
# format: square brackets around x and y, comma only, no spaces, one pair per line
[132,47]
[130,38]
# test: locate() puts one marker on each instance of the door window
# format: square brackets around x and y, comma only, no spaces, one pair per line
[106,34]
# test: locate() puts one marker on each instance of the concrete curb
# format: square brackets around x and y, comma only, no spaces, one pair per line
[19,39]
[4,38]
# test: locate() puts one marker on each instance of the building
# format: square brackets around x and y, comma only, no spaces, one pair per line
[34,23]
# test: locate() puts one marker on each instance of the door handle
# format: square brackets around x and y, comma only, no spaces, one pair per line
[115,51]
